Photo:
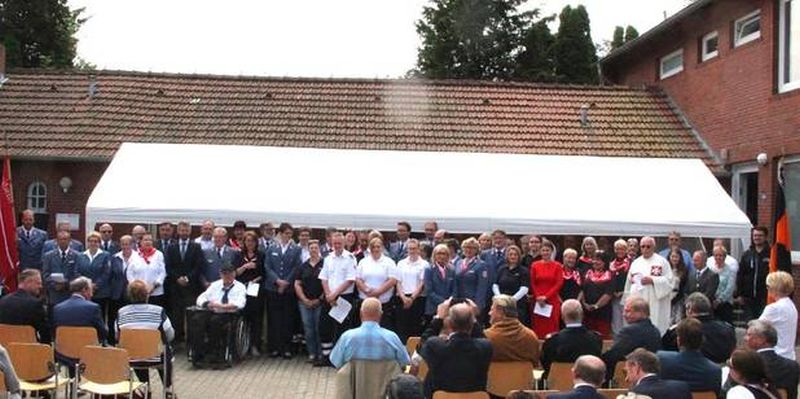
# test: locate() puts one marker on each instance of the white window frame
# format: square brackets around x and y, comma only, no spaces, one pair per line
[707,55]
[795,251]
[785,86]
[33,196]
[665,74]
[753,16]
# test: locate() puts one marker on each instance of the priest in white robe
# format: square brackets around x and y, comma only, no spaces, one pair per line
[650,277]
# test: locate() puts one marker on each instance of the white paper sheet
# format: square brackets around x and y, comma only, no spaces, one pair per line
[341,310]
[252,289]
[543,310]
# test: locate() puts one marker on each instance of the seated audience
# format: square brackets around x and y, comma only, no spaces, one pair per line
[639,333]
[370,341]
[10,377]
[79,311]
[458,362]
[719,337]
[511,340]
[222,297]
[404,386]
[689,365]
[642,368]
[25,307]
[575,340]
[438,325]
[588,374]
[782,313]
[748,370]
[141,315]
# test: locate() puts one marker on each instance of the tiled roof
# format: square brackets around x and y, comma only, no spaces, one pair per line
[49,114]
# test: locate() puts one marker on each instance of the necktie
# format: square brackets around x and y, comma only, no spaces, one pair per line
[105,245]
[183,249]
[63,256]
[225,292]
[221,250]
[28,235]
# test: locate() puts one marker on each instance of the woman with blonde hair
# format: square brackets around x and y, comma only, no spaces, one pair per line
[439,281]
[782,313]
[472,274]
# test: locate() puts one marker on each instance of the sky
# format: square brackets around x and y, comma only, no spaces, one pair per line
[300,38]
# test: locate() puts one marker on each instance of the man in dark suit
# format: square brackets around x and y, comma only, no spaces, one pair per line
[30,242]
[398,250]
[642,368]
[281,261]
[59,267]
[639,333]
[216,257]
[52,244]
[689,365]
[458,363]
[719,337]
[588,373]
[573,341]
[184,261]
[164,237]
[107,242]
[79,311]
[495,256]
[25,307]
[707,280]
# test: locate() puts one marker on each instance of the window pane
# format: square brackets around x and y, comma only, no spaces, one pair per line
[712,44]
[671,63]
[791,174]
[749,27]
[792,41]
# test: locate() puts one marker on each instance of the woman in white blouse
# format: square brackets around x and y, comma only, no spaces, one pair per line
[149,268]
[782,313]
[410,285]
[376,276]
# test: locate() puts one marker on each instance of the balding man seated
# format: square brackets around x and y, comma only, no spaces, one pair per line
[588,374]
[719,337]
[458,362]
[370,341]
[511,341]
[573,341]
[639,333]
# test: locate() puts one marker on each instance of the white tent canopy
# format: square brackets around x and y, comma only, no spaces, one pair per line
[463,192]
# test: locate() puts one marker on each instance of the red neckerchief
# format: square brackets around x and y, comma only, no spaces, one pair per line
[572,274]
[598,277]
[147,255]
[234,243]
[619,266]
[585,259]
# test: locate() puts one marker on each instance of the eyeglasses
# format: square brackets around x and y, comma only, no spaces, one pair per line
[645,246]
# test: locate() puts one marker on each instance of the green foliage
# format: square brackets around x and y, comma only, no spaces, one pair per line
[619,37]
[631,33]
[39,33]
[574,52]
[535,62]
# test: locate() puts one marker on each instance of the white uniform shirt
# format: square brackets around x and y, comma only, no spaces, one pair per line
[205,244]
[236,296]
[657,294]
[338,269]
[783,316]
[374,273]
[153,274]
[730,262]
[411,274]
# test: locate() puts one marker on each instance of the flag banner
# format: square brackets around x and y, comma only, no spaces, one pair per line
[780,255]
[9,258]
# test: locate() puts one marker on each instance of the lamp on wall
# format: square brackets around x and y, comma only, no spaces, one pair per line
[762,158]
[65,183]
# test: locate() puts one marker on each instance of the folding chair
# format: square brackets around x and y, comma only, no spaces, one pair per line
[36,368]
[560,377]
[612,393]
[11,333]
[460,395]
[704,395]
[70,340]
[146,350]
[538,394]
[105,371]
[412,344]
[505,377]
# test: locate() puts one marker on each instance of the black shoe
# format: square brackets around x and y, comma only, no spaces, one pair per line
[287,355]
[274,354]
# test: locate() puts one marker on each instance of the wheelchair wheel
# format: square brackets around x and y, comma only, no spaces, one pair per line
[242,344]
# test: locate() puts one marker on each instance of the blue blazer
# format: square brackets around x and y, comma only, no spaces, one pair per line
[281,266]
[99,270]
[493,262]
[52,264]
[473,283]
[51,244]
[691,367]
[581,392]
[118,281]
[658,388]
[113,247]
[213,264]
[76,311]
[438,289]
[30,250]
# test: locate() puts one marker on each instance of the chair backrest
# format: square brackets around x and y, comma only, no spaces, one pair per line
[704,395]
[560,377]
[70,340]
[365,378]
[32,362]
[538,394]
[612,393]
[10,333]
[505,377]
[412,344]
[607,344]
[619,379]
[140,343]
[104,365]
[460,395]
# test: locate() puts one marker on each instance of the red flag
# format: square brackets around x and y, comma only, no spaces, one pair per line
[9,260]
[780,257]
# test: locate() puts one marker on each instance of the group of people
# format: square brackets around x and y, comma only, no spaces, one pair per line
[525,291]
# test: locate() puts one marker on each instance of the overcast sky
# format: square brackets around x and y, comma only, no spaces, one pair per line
[314,38]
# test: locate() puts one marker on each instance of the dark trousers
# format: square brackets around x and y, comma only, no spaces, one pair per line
[160,300]
[389,316]
[105,313]
[330,330]
[281,309]
[114,305]
[409,321]
[209,335]
[254,314]
[143,375]
[179,299]
[724,312]
[753,307]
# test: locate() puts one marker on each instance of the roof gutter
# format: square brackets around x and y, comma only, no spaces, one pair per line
[720,171]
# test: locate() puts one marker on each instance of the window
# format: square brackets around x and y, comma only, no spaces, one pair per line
[791,176]
[671,64]
[710,46]
[747,28]
[37,197]
[789,45]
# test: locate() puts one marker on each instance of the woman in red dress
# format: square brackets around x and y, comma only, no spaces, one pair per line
[547,277]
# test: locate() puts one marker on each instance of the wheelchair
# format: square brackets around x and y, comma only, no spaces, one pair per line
[236,339]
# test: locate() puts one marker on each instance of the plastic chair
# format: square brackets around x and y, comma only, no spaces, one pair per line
[612,393]
[145,350]
[412,344]
[460,395]
[11,333]
[560,377]
[36,368]
[704,395]
[505,377]
[70,340]
[105,371]
[539,394]
[619,380]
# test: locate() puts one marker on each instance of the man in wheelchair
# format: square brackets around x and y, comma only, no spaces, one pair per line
[212,321]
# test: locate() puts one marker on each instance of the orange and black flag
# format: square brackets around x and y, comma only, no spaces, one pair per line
[781,256]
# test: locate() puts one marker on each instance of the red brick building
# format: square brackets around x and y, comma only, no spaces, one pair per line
[733,68]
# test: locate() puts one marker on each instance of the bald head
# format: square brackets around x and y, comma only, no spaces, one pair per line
[647,246]
[590,369]
[371,310]
[461,318]
[27,219]
[572,311]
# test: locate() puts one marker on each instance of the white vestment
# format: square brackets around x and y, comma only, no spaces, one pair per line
[658,294]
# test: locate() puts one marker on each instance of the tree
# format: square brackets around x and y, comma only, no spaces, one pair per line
[470,39]
[39,33]
[619,37]
[574,54]
[535,62]
[631,33]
